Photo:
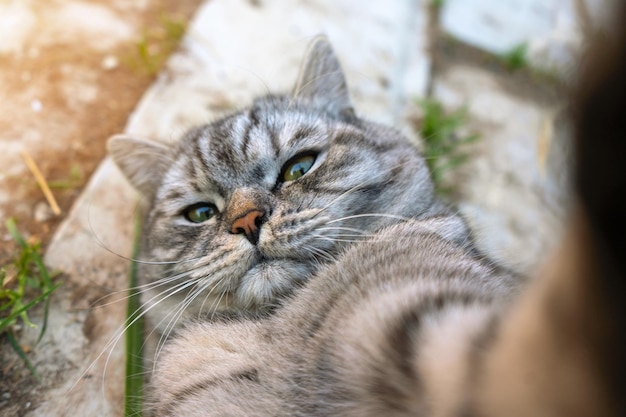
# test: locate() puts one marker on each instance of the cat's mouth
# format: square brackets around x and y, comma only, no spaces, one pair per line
[261,258]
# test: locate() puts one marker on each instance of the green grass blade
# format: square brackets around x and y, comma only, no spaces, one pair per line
[43,274]
[7,305]
[134,342]
[444,141]
[44,325]
[12,227]
[31,273]
[47,284]
[20,352]
[8,320]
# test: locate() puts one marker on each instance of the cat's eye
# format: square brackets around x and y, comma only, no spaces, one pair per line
[297,167]
[200,212]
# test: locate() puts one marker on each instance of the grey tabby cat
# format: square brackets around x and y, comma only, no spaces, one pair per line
[245,209]
[296,205]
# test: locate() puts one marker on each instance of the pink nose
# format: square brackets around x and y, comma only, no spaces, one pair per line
[248,224]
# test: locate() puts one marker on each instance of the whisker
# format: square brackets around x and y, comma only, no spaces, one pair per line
[127,258]
[334,239]
[216,303]
[139,288]
[347,229]
[118,334]
[206,297]
[356,216]
[318,252]
[175,317]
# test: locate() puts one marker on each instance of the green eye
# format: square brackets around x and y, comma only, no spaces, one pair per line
[297,167]
[200,212]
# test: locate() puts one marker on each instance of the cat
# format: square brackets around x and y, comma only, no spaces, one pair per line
[410,320]
[294,200]
[245,209]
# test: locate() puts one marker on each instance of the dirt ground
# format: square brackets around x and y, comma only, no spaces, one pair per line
[72,72]
[64,95]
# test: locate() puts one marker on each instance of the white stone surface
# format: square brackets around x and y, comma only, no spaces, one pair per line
[514,187]
[235,51]
[26,25]
[550,28]
[90,247]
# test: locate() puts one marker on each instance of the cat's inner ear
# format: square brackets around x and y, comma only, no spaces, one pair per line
[143,162]
[322,80]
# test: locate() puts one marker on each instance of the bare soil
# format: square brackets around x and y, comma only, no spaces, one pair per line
[67,136]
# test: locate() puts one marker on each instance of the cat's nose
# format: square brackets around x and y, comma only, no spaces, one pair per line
[249,224]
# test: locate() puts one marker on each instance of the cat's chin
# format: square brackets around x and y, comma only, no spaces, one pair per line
[269,280]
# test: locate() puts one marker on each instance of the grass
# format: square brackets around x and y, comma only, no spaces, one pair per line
[27,284]
[444,147]
[517,57]
[156,44]
[75,179]
[437,4]
[133,392]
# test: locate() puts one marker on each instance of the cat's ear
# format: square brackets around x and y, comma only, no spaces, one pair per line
[143,162]
[322,79]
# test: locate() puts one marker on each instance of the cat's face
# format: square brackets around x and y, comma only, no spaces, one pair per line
[245,209]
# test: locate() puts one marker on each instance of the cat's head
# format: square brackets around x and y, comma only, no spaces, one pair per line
[244,209]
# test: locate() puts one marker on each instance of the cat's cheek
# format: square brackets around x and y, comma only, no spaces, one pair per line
[274,242]
[301,235]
